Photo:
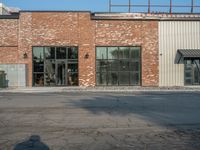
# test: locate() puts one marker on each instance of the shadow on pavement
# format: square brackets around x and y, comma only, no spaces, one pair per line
[178,112]
[33,143]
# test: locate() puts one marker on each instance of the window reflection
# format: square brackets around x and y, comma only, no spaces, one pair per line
[112,52]
[61,53]
[50,52]
[55,66]
[73,67]
[38,66]
[118,66]
[72,53]
[101,53]
[38,53]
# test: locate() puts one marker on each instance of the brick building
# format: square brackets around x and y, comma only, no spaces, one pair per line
[61,48]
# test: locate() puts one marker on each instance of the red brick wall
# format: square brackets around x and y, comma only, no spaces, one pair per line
[133,33]
[8,41]
[8,32]
[77,29]
[59,29]
[8,55]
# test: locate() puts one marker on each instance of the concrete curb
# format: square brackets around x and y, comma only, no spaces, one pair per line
[96,89]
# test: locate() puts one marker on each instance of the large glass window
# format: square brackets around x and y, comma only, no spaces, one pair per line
[118,66]
[55,66]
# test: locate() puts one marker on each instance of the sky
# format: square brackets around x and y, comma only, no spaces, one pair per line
[93,5]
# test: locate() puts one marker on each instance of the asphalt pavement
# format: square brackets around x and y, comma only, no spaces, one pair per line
[139,120]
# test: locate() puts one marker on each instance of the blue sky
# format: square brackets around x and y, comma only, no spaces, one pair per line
[91,5]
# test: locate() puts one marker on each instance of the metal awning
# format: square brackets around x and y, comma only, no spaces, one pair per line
[189,53]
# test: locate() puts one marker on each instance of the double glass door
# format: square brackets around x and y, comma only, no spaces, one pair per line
[55,66]
[54,73]
[192,71]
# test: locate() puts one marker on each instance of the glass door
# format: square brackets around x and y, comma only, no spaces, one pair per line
[196,72]
[192,71]
[55,66]
[60,73]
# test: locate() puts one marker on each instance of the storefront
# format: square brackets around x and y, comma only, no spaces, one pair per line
[99,49]
[55,66]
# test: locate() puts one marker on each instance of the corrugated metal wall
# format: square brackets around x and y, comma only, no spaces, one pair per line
[15,74]
[174,35]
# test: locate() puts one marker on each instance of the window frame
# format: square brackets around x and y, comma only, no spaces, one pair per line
[139,60]
[67,61]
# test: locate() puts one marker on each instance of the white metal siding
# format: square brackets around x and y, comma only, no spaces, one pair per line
[174,35]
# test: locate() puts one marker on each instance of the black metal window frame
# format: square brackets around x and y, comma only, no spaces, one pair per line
[139,60]
[67,61]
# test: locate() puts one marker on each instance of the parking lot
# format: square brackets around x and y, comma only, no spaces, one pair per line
[101,121]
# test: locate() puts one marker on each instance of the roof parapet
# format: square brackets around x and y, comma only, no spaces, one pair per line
[145,16]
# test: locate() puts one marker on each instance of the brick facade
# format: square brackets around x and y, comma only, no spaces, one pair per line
[133,33]
[78,29]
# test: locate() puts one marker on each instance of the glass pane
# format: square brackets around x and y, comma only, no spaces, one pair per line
[101,53]
[50,52]
[72,68]
[50,66]
[61,52]
[124,65]
[38,53]
[124,78]
[135,53]
[188,62]
[38,66]
[72,79]
[188,74]
[112,78]
[124,52]
[38,79]
[50,76]
[112,52]
[196,74]
[188,81]
[113,65]
[101,66]
[134,78]
[60,73]
[50,79]
[101,78]
[72,53]
[134,66]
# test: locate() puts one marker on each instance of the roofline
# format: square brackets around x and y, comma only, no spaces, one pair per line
[175,13]
[61,11]
[12,16]
[145,16]
[104,17]
[146,19]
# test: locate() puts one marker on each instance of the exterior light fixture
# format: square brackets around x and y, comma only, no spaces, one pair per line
[25,55]
[86,56]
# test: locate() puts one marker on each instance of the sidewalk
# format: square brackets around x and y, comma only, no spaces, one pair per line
[99,89]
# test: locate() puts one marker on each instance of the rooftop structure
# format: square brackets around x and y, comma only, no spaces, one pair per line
[8,10]
[3,9]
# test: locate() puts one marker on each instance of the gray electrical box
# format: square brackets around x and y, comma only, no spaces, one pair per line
[15,74]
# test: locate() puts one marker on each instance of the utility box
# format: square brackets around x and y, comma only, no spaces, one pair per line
[2,79]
